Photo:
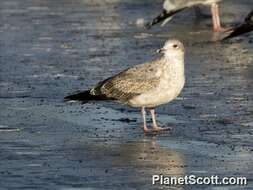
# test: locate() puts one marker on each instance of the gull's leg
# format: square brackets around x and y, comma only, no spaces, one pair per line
[143,112]
[155,126]
[216,18]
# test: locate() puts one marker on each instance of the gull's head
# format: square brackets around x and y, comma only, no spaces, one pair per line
[172,49]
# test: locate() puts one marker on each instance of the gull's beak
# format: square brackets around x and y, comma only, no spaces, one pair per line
[160,50]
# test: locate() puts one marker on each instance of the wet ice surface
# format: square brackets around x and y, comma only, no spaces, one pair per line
[51,48]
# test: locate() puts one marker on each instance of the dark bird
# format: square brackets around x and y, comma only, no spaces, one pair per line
[245,27]
[171,7]
[143,86]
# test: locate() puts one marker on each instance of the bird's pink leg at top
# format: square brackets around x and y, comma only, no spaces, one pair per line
[143,112]
[216,18]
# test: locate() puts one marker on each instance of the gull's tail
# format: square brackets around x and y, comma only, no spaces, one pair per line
[164,16]
[244,28]
[85,96]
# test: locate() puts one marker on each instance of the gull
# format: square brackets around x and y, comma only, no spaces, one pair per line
[171,7]
[146,85]
[245,27]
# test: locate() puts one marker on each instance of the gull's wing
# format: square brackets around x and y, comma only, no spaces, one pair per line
[131,82]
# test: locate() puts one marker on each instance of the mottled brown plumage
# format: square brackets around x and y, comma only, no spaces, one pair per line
[129,83]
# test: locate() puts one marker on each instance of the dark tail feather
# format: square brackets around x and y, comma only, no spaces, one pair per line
[161,17]
[243,29]
[85,97]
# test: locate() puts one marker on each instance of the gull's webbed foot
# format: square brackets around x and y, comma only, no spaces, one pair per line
[157,129]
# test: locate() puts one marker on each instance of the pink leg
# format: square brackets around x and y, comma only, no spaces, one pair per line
[155,126]
[143,112]
[216,18]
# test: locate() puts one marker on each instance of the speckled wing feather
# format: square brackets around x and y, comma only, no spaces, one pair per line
[131,82]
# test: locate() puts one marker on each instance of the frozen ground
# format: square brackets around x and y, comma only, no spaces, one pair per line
[50,48]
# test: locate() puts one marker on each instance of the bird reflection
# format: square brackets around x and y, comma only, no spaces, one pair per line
[148,156]
[128,162]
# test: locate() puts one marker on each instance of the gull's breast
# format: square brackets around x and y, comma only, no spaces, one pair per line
[167,91]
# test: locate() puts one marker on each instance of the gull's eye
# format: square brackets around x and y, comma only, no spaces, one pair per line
[175,46]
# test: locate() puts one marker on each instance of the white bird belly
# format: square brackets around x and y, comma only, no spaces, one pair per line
[160,95]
